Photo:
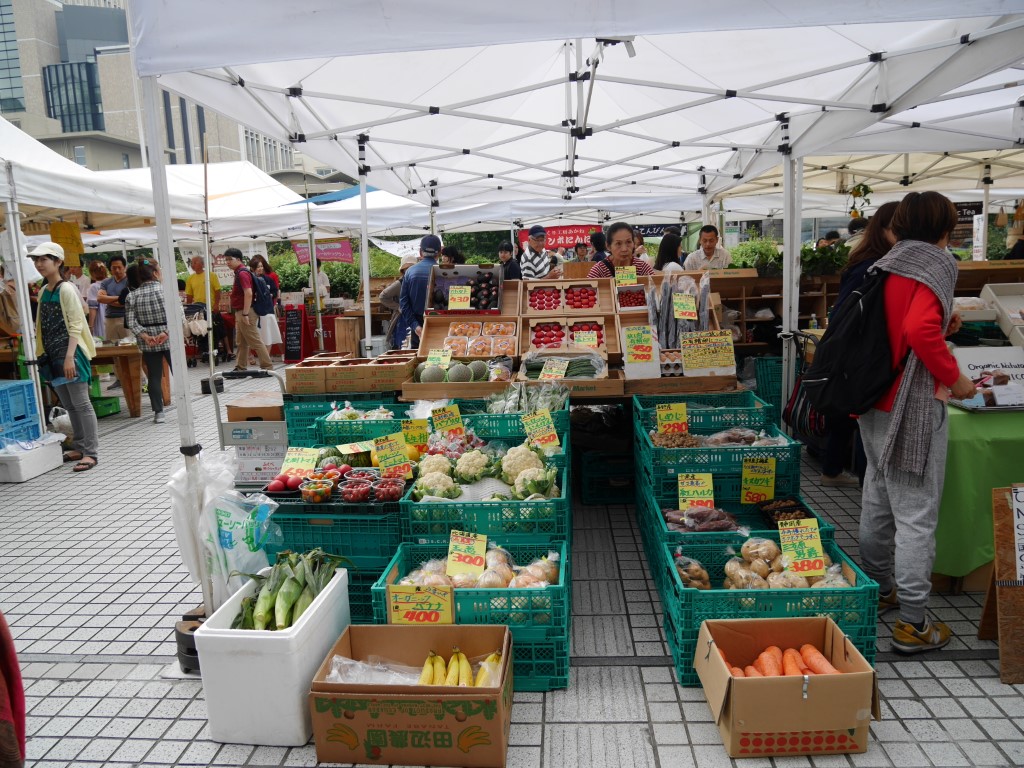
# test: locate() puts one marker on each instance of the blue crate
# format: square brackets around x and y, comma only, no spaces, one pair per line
[18,406]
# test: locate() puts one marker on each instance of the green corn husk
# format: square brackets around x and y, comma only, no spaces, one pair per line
[286,597]
[306,598]
[264,610]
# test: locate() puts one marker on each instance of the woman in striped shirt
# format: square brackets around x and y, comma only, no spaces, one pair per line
[621,249]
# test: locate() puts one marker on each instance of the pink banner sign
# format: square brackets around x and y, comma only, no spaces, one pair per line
[563,237]
[326,250]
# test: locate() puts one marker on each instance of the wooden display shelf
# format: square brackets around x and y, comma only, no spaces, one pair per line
[435,331]
[605,297]
[670,385]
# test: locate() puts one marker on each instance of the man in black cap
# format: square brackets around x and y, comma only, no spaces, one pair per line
[536,261]
[412,301]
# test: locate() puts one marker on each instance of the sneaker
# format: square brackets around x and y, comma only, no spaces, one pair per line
[907,639]
[158,417]
[115,385]
[842,480]
[887,602]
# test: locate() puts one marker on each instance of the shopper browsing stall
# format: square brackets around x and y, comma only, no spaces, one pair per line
[620,237]
[390,298]
[536,262]
[509,266]
[195,284]
[146,317]
[710,255]
[110,298]
[242,293]
[413,297]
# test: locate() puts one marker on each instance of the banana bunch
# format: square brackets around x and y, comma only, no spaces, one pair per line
[457,672]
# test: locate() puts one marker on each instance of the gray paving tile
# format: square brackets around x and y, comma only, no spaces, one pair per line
[601,598]
[521,757]
[677,757]
[601,636]
[670,733]
[268,755]
[598,694]
[599,746]
[944,753]
[526,735]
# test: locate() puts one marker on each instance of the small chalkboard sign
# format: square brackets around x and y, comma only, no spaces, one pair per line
[294,322]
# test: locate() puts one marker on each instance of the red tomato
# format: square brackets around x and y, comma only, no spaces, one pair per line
[276,487]
[294,482]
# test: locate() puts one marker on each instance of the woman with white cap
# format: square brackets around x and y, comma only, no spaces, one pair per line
[62,333]
[389,299]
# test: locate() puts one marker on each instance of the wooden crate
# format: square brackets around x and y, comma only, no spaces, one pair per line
[567,353]
[435,331]
[461,274]
[670,385]
[605,297]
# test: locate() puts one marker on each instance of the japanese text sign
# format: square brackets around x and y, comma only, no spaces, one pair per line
[696,490]
[684,306]
[800,541]
[757,483]
[411,604]
[554,368]
[466,553]
[441,357]
[458,296]
[672,418]
[448,420]
[639,344]
[625,275]
[416,433]
[391,456]
[540,428]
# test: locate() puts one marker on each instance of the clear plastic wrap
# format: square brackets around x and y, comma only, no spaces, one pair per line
[691,572]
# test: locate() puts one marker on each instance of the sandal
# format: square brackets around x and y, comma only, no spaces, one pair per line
[85,464]
[73,456]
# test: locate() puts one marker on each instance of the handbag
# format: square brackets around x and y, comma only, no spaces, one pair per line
[801,415]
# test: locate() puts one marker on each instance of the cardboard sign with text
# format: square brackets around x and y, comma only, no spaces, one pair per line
[672,418]
[625,275]
[441,357]
[800,542]
[540,428]
[416,433]
[459,296]
[448,420]
[298,461]
[414,604]
[466,553]
[639,344]
[554,368]
[696,490]
[684,306]
[391,456]
[708,353]
[757,482]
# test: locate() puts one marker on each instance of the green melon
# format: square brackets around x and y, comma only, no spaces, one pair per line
[418,372]
[432,374]
[460,372]
[479,369]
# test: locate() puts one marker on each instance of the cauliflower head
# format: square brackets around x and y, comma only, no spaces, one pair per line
[535,481]
[435,463]
[472,466]
[436,484]
[519,459]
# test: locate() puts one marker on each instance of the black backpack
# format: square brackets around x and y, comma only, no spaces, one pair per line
[262,301]
[852,366]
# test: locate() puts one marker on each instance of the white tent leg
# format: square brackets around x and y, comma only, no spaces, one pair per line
[364,244]
[987,181]
[186,420]
[793,189]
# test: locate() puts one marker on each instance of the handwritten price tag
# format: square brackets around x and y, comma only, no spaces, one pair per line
[420,605]
[448,420]
[466,553]
[625,275]
[800,542]
[416,433]
[672,418]
[696,490]
[554,369]
[639,344]
[757,482]
[707,350]
[585,338]
[442,357]
[458,297]
[540,428]
[684,306]
[391,456]
[298,460]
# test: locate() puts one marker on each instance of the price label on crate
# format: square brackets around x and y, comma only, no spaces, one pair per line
[684,306]
[800,542]
[299,460]
[466,553]
[625,275]
[672,419]
[416,433]
[696,490]
[540,428]
[707,350]
[458,297]
[391,456]
[448,420]
[757,483]
[585,338]
[441,357]
[409,604]
[639,344]
[554,368]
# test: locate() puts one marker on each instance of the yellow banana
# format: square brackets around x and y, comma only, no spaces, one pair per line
[440,672]
[452,678]
[427,675]
[486,675]
[465,671]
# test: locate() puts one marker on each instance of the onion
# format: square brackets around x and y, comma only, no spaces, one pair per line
[416,576]
[522,580]
[491,579]
[506,573]
[550,567]
[464,580]
[436,580]
[497,556]
[434,566]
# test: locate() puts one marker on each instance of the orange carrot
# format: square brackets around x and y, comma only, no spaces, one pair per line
[752,672]
[791,663]
[776,653]
[722,654]
[816,661]
[770,666]
[737,672]
[758,666]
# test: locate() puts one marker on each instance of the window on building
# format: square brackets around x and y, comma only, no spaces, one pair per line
[80,154]
[12,94]
[323,172]
[73,96]
[126,161]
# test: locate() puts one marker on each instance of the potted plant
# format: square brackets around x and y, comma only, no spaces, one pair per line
[827,260]
[761,253]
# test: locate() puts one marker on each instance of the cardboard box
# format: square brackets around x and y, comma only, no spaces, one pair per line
[256,682]
[368,375]
[307,377]
[413,725]
[257,406]
[818,714]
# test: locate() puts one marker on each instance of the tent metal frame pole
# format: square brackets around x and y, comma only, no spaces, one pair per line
[792,197]
[987,181]
[364,246]
[165,253]
[211,344]
[314,277]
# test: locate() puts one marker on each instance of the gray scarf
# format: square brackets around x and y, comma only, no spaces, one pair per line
[908,441]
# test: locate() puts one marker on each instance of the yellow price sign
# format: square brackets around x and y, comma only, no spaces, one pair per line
[441,357]
[757,482]
[540,428]
[391,456]
[416,433]
[639,344]
[696,490]
[297,461]
[625,275]
[466,553]
[707,349]
[411,604]
[458,297]
[448,420]
[585,338]
[672,419]
[684,306]
[554,369]
[800,541]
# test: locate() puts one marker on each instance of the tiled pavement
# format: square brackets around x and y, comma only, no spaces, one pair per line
[91,583]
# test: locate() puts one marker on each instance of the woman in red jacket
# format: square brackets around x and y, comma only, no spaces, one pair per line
[905,434]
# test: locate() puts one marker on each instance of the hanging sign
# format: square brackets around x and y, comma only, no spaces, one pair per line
[540,428]
[585,338]
[625,275]
[391,456]
[757,483]
[554,368]
[411,604]
[800,542]
[672,418]
[448,420]
[68,236]
[639,344]
[708,353]
[684,306]
[466,553]
[416,433]
[458,297]
[696,490]
[326,250]
[441,357]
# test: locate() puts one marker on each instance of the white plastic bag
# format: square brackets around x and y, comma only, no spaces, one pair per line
[60,422]
[235,528]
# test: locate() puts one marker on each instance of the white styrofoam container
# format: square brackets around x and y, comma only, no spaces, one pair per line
[1017,337]
[24,465]
[1008,300]
[257,682]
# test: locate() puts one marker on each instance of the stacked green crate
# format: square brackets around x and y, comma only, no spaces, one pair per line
[302,411]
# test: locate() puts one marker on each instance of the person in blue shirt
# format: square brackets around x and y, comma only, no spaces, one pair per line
[413,299]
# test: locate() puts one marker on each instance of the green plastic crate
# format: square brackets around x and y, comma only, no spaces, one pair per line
[724,410]
[360,599]
[368,541]
[106,406]
[531,614]
[302,411]
[503,425]
[508,522]
[341,431]
[540,665]
[607,478]
[769,384]
[855,610]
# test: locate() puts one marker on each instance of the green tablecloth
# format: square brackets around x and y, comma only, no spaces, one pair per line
[986,451]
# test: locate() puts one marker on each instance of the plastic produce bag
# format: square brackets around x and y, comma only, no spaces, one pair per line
[60,422]
[235,529]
